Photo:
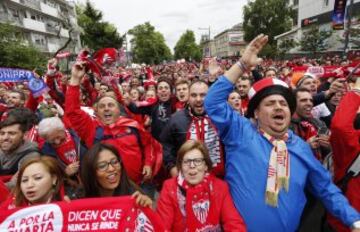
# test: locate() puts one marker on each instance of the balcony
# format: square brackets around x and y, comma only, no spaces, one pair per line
[10,19]
[53,47]
[52,29]
[30,3]
[41,47]
[64,33]
[34,25]
[49,10]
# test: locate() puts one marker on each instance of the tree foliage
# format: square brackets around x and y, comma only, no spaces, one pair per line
[187,48]
[270,17]
[148,46]
[354,34]
[285,46]
[96,33]
[315,40]
[14,51]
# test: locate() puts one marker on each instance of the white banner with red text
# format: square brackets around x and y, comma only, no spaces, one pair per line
[92,214]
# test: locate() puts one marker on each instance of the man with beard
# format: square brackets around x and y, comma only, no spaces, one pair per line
[161,111]
[268,167]
[14,148]
[192,123]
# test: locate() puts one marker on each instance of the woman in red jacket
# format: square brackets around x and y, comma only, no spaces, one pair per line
[196,200]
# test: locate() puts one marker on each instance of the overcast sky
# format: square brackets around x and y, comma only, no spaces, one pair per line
[172,17]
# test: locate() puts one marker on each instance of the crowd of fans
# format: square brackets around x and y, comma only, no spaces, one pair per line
[232,145]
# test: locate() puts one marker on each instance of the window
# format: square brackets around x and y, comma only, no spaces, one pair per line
[326,2]
[14,13]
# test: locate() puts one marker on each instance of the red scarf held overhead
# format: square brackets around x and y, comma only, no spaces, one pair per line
[196,206]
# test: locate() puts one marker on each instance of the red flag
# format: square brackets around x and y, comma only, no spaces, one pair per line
[105,56]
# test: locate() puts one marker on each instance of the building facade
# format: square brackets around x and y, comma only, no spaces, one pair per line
[44,24]
[310,12]
[229,43]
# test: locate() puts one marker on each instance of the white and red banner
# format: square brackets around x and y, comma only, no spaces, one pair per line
[92,214]
[63,55]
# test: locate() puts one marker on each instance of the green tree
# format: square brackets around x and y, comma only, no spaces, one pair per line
[147,45]
[270,17]
[285,46]
[14,51]
[354,35]
[187,48]
[96,33]
[315,40]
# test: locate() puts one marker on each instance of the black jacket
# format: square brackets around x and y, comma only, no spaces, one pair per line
[160,114]
[174,135]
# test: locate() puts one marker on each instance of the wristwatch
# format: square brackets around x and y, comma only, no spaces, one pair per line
[355,225]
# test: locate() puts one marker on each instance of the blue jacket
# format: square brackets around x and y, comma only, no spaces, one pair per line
[247,158]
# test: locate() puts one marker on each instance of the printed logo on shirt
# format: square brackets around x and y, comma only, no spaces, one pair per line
[201,210]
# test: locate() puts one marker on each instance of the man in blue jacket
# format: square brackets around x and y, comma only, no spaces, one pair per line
[267,165]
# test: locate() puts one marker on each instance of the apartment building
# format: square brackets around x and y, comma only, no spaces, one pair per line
[228,43]
[310,12]
[44,23]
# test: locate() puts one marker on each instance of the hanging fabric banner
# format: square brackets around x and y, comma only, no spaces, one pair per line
[338,15]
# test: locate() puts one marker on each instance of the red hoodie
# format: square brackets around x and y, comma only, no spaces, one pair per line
[127,145]
[345,141]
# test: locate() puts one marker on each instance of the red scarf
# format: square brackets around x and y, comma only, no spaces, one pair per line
[306,130]
[67,150]
[196,206]
[201,128]
[244,105]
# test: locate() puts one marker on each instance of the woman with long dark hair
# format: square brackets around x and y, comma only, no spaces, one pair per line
[103,174]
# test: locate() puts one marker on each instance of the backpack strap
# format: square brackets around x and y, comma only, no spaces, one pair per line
[99,136]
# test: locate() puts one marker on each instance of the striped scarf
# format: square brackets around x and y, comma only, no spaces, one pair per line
[279,169]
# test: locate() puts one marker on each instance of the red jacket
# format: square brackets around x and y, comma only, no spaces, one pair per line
[345,141]
[170,213]
[127,145]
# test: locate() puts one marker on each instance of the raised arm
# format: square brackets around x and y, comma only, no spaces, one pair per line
[248,59]
[221,114]
[81,121]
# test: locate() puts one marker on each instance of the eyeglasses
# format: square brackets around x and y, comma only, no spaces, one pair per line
[196,162]
[103,166]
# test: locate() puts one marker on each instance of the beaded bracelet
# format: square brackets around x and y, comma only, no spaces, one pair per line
[242,66]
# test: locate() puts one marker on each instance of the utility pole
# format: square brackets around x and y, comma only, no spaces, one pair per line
[348,27]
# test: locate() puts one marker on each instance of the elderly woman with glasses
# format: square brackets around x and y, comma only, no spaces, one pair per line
[103,175]
[195,200]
